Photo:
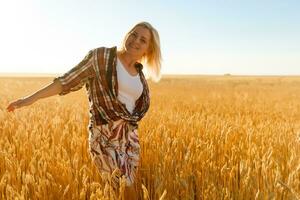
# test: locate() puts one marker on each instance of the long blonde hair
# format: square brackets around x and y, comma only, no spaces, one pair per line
[152,60]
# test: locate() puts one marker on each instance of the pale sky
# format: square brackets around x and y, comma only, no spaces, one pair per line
[241,37]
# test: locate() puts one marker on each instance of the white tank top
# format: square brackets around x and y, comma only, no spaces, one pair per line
[130,87]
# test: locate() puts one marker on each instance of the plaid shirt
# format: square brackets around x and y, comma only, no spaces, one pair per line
[98,72]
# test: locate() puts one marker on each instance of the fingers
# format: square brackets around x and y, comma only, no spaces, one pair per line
[12,106]
[18,104]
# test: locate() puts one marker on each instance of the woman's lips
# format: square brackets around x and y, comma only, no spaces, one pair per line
[131,46]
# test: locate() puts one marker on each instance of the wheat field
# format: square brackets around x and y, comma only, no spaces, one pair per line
[204,137]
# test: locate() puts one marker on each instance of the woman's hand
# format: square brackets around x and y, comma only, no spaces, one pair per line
[49,90]
[18,104]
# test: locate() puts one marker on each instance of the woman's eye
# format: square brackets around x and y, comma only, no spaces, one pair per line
[143,41]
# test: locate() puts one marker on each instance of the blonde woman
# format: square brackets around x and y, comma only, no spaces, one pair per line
[118,96]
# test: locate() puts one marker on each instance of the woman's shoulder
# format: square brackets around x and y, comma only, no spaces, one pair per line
[104,48]
[138,66]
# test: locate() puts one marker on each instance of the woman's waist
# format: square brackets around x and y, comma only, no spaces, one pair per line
[113,124]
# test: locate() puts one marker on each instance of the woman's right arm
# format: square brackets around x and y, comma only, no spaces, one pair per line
[49,90]
[70,81]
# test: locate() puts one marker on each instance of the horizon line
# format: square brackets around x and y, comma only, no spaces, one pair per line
[28,74]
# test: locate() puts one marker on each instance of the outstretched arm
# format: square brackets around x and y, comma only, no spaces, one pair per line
[71,81]
[49,90]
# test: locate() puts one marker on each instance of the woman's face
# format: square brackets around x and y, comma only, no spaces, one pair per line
[138,41]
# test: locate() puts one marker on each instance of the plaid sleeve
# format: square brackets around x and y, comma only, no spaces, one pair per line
[75,78]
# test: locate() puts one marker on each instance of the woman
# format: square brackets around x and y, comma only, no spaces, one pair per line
[118,97]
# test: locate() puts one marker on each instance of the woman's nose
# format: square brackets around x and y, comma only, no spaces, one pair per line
[136,40]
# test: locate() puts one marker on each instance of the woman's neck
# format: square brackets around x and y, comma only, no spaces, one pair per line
[127,59]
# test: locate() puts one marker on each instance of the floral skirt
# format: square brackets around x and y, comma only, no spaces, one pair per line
[115,146]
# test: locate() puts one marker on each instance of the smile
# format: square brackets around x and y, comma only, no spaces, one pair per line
[131,46]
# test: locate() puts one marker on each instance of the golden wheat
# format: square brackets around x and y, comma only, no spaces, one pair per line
[203,138]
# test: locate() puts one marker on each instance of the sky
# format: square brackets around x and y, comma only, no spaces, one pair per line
[239,37]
